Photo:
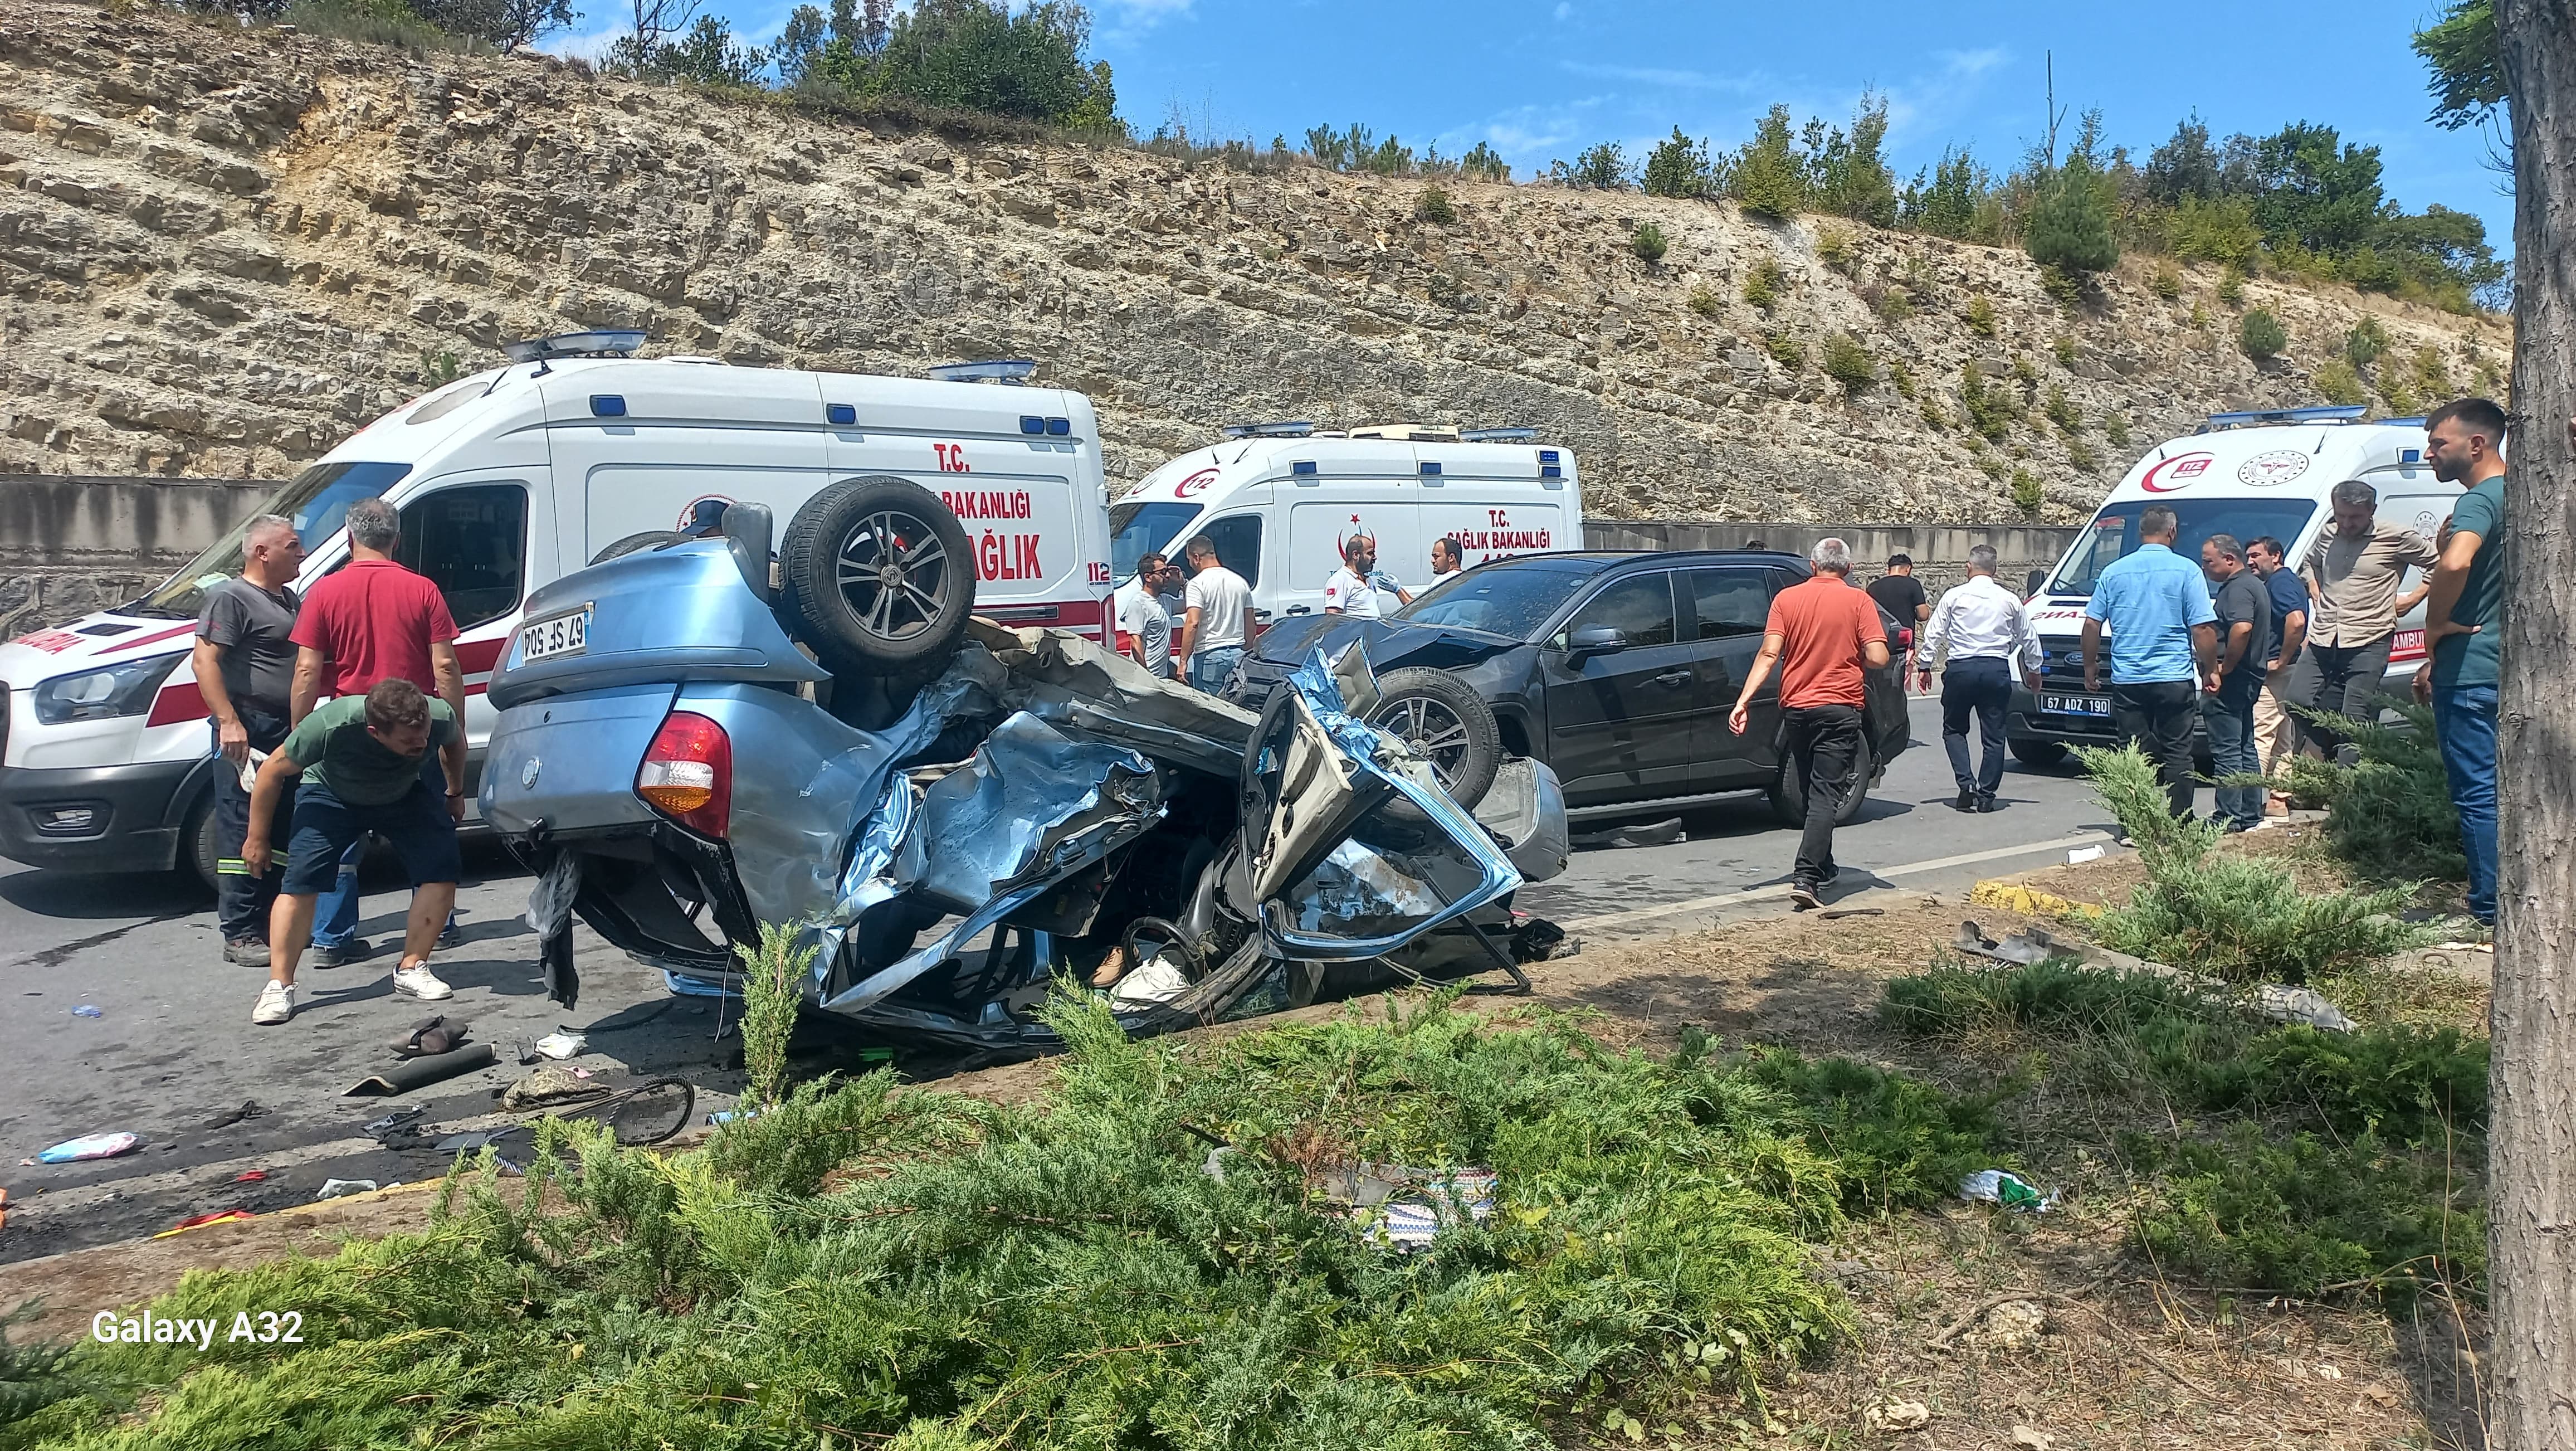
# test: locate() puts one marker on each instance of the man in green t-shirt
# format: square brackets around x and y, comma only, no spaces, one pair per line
[2464,628]
[360,757]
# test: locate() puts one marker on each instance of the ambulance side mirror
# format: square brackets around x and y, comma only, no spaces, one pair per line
[2030,583]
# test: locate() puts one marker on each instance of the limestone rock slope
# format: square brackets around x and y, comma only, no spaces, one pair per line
[222,250]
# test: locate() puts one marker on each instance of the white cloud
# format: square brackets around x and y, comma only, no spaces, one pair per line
[1659,76]
[1970,64]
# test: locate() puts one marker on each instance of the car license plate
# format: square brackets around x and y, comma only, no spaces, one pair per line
[552,638]
[2076,704]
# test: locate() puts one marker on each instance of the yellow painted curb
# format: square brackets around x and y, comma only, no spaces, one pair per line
[1996,892]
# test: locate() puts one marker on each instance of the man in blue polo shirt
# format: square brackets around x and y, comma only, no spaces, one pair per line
[2164,649]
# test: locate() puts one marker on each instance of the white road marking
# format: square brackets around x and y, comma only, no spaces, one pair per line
[1719,901]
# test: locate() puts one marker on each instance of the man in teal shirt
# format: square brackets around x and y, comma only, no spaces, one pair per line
[2164,649]
[2464,628]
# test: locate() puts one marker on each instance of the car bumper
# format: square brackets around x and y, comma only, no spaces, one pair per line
[122,818]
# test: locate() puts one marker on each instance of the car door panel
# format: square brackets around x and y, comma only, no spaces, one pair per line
[1620,725]
[1728,607]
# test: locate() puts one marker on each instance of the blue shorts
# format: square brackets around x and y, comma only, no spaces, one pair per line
[417,825]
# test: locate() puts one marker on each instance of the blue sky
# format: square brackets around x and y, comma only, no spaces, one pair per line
[1541,79]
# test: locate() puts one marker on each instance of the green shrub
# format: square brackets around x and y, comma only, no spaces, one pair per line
[2166,283]
[2338,383]
[1677,167]
[2390,817]
[2062,410]
[2026,493]
[2064,288]
[2261,335]
[1990,413]
[2063,348]
[1766,177]
[2081,454]
[1764,284]
[2432,373]
[1992,467]
[1848,363]
[2233,917]
[2069,229]
[380,22]
[1981,315]
[1902,379]
[2199,317]
[2402,402]
[1786,350]
[2231,285]
[1932,414]
[773,990]
[2309,1217]
[1834,248]
[2116,429]
[1434,206]
[1648,243]
[1706,301]
[1602,168]
[2056,996]
[2364,343]
[2026,373]
[1033,1274]
[1893,304]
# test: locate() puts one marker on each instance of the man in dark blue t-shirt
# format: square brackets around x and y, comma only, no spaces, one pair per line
[2276,733]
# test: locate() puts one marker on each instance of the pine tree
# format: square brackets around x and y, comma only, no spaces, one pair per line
[1767,178]
[2070,229]
[1677,167]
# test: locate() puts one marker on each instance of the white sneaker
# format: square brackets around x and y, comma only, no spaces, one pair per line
[420,982]
[276,1004]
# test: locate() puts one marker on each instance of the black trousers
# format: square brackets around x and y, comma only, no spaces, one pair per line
[1981,686]
[242,898]
[1823,744]
[2158,715]
[2345,679]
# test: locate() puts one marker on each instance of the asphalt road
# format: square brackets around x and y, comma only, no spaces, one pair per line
[172,1050]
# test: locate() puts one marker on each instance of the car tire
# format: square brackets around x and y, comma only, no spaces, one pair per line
[2039,753]
[200,846]
[860,611]
[1439,715]
[637,543]
[1789,801]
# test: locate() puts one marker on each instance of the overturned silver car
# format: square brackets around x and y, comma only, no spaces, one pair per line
[982,815]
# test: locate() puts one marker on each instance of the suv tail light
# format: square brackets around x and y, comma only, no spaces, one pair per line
[687,773]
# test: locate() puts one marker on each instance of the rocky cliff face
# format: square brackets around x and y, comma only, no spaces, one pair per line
[223,250]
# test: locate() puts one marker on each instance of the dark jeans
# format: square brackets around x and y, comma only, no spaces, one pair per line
[1823,744]
[2229,716]
[2346,679]
[2464,721]
[416,824]
[2157,714]
[1984,686]
[242,897]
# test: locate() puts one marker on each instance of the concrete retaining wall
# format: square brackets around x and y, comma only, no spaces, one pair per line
[70,544]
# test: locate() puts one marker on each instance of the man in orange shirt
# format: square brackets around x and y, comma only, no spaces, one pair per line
[1829,633]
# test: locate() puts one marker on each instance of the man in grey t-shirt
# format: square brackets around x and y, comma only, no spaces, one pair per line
[245,669]
[2243,607]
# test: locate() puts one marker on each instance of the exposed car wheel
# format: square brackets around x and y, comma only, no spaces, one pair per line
[636,543]
[200,846]
[1789,799]
[877,577]
[1437,714]
[2039,753]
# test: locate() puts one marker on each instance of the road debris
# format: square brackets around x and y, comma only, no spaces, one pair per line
[88,1010]
[250,1109]
[432,1036]
[93,1146]
[562,1043]
[200,1221]
[2002,1186]
[420,1072]
[342,1188]
[1898,1415]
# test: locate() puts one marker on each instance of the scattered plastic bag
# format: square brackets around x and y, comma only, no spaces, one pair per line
[2002,1186]
[338,1188]
[1158,981]
[560,1044]
[95,1146]
[88,1010]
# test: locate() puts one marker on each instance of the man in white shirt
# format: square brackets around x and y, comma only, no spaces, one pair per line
[1987,634]
[1142,618]
[1354,587]
[1218,619]
[1446,556]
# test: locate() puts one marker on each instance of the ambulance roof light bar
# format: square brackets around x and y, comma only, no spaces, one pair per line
[2324,413]
[1289,429]
[598,343]
[1510,434]
[1009,371]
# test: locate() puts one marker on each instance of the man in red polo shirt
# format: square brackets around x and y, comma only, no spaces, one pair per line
[1829,632]
[368,621]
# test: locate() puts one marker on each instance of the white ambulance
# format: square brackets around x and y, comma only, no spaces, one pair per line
[509,479]
[1279,499]
[2247,474]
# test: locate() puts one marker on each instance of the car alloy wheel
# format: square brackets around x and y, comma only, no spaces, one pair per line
[893,570]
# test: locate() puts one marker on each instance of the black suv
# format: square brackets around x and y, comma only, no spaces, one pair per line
[1616,669]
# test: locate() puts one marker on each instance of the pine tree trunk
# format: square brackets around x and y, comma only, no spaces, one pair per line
[2532,1142]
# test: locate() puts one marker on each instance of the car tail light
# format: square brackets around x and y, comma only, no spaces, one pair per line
[687,773]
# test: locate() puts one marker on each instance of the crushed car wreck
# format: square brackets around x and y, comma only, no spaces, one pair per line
[1032,809]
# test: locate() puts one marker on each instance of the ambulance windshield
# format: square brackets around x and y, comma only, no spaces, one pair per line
[316,499]
[2114,532]
[1136,530]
